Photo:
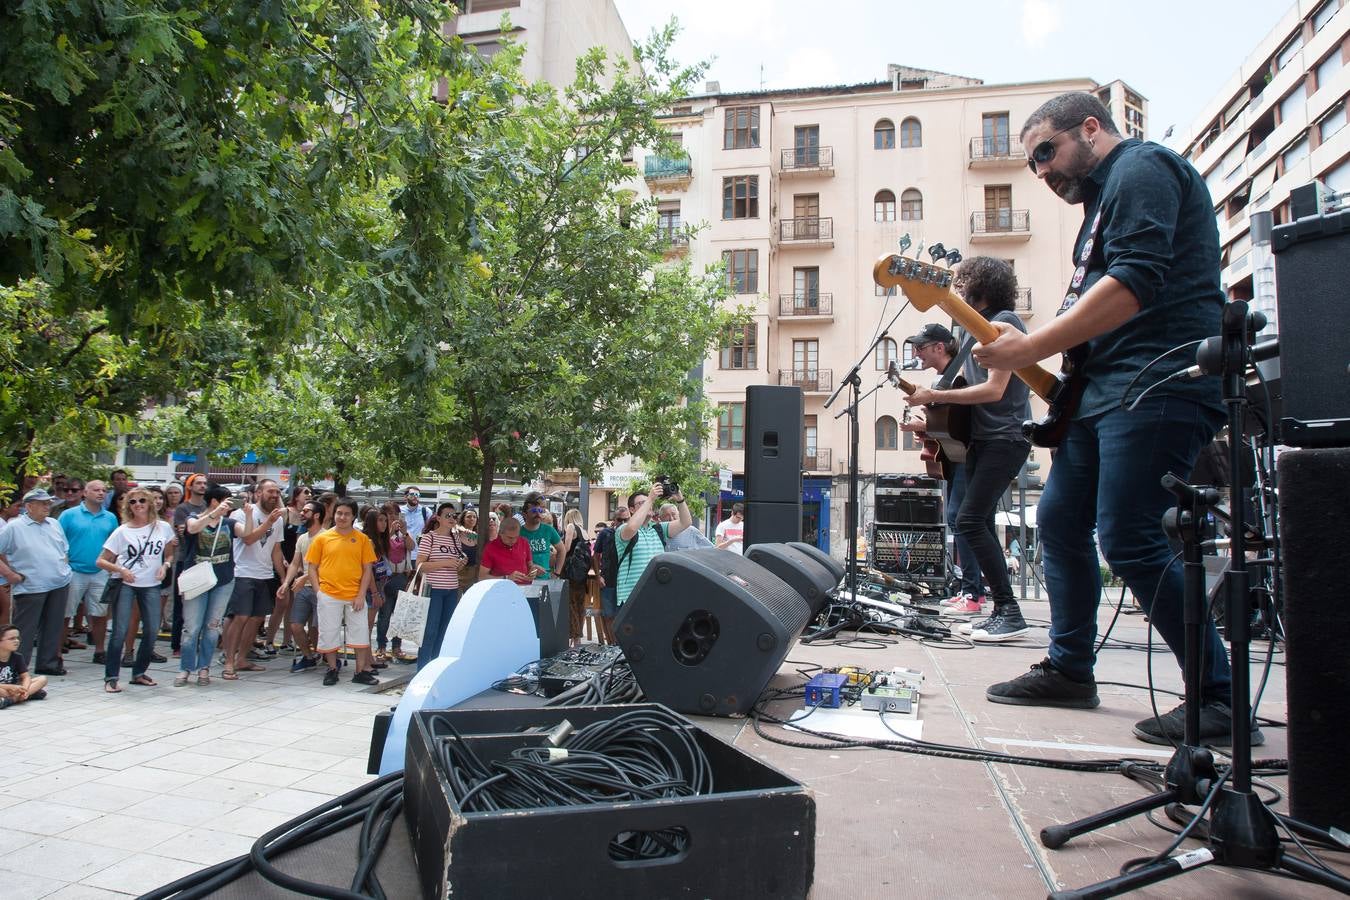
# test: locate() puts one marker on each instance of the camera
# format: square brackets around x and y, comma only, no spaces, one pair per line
[668,488]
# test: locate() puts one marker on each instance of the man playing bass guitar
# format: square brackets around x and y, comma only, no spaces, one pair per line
[999,405]
[1146,281]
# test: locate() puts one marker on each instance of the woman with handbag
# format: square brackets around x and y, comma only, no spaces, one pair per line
[440,556]
[136,554]
[574,566]
[210,545]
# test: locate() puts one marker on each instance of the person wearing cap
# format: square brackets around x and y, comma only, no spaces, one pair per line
[935,348]
[415,517]
[998,448]
[34,559]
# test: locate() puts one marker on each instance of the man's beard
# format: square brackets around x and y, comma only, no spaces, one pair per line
[267,504]
[1069,186]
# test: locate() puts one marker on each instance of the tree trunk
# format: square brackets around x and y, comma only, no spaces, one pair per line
[485,500]
[340,478]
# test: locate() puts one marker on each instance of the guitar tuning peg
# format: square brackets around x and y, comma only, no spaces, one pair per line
[904,242]
[937,251]
[918,251]
[954,257]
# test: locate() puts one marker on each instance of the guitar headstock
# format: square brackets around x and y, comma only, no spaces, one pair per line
[923,283]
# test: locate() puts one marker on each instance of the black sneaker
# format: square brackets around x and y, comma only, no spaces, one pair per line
[157,658]
[128,659]
[301,663]
[39,695]
[365,678]
[1045,685]
[6,703]
[1216,726]
[100,657]
[330,677]
[972,627]
[1002,626]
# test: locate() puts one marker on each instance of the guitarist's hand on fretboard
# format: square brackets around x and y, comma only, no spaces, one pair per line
[922,397]
[1012,350]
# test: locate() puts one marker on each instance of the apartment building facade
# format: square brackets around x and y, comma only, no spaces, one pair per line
[1278,123]
[799,192]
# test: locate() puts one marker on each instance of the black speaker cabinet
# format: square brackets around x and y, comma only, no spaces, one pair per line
[834,566]
[1314,509]
[705,630]
[774,419]
[802,572]
[772,523]
[1312,266]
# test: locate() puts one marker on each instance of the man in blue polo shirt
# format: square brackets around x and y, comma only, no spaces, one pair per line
[87,526]
[33,560]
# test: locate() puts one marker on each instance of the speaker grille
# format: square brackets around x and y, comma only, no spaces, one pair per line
[808,577]
[777,596]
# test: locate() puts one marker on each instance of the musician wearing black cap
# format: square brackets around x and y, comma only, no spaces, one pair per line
[997,450]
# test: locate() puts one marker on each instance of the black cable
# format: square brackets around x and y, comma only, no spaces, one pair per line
[1150,364]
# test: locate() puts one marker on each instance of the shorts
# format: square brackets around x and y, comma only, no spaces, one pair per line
[251,598]
[87,588]
[609,602]
[333,615]
[303,604]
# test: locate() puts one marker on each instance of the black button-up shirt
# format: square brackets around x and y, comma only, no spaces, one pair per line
[1159,237]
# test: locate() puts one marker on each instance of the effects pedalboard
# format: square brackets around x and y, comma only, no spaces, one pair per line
[896,690]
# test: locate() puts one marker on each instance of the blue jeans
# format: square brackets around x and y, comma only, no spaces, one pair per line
[972,580]
[147,598]
[203,617]
[439,611]
[1106,476]
[990,466]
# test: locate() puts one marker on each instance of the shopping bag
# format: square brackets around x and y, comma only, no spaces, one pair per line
[409,619]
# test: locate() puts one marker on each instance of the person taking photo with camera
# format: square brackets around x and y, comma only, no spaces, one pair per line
[636,544]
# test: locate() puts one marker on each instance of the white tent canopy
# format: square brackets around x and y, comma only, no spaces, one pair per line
[1013,520]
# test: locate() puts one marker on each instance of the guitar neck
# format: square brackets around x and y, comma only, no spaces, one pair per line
[1036,378]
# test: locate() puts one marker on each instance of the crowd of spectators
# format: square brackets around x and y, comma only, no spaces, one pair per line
[93,566]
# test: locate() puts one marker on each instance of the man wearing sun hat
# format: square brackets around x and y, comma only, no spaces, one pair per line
[34,560]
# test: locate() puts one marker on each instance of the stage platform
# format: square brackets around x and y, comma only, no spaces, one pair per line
[901,825]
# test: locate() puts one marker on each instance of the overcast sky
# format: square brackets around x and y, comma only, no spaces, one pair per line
[1177,53]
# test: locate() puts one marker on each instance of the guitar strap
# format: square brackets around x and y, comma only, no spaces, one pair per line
[1080,273]
[954,367]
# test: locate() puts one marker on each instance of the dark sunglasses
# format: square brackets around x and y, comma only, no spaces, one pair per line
[1043,152]
[139,501]
[71,490]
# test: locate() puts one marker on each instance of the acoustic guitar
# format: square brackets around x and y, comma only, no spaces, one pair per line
[927,286]
[946,432]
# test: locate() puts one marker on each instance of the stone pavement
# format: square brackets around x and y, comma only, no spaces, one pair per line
[111,795]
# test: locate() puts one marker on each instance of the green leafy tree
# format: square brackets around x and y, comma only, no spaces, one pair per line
[565,341]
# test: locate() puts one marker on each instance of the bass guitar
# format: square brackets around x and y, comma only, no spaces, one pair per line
[946,431]
[927,286]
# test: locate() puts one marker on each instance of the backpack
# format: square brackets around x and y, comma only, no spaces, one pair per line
[610,560]
[578,563]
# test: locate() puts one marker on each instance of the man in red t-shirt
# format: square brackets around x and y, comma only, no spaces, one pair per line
[507,556]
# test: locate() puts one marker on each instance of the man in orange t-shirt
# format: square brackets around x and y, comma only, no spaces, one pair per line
[341,562]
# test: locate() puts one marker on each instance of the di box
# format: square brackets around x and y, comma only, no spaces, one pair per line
[752,837]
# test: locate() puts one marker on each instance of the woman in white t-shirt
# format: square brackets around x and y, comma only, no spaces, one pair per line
[138,554]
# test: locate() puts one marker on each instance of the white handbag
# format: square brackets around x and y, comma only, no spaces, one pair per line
[200,577]
[409,620]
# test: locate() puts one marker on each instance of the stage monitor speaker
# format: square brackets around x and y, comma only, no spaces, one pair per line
[772,523]
[1311,270]
[802,572]
[1314,508]
[705,630]
[835,567]
[774,418]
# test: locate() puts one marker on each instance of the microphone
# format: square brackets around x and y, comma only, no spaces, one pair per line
[1208,358]
[893,374]
[915,363]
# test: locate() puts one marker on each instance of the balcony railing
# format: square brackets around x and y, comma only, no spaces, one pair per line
[816,459]
[666,168]
[805,304]
[810,380]
[807,159]
[1000,221]
[673,241]
[814,229]
[997,149]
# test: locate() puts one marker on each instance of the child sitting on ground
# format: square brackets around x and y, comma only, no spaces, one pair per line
[16,685]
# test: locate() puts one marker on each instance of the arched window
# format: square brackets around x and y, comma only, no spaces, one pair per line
[911,205]
[883,135]
[911,133]
[887,433]
[883,206]
[886,353]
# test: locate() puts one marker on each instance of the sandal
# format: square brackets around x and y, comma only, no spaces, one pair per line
[144,681]
[110,687]
[250,667]
[229,675]
[180,679]
[204,677]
